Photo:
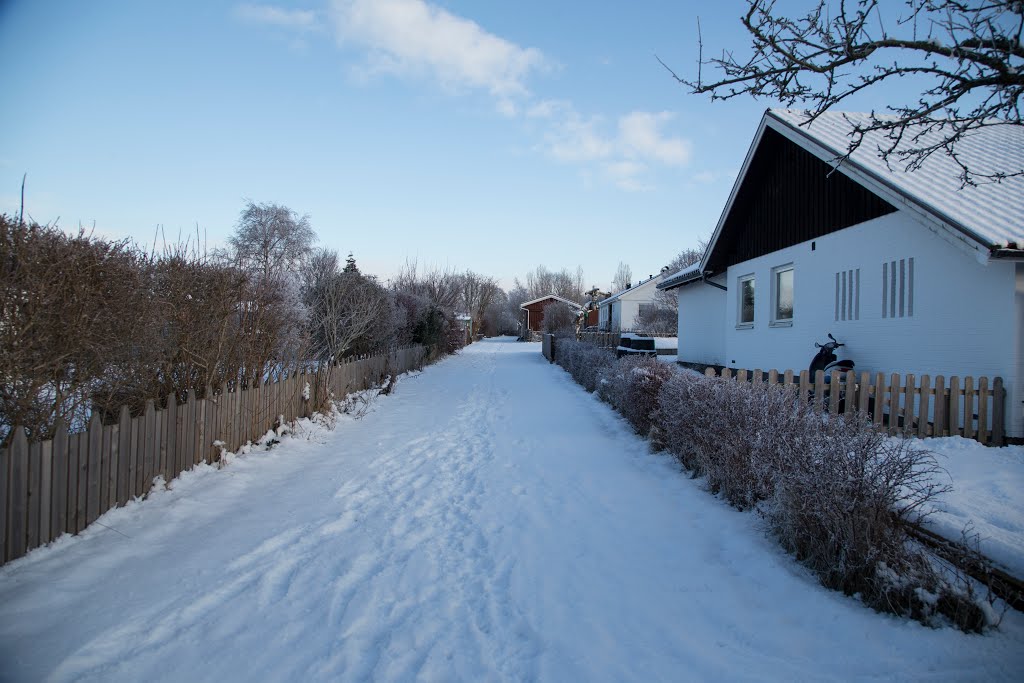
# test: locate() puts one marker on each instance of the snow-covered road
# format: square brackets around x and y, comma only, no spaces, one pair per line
[487,521]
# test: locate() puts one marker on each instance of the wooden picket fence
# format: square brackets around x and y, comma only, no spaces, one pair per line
[59,486]
[914,406]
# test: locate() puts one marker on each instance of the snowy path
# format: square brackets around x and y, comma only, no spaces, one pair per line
[488,521]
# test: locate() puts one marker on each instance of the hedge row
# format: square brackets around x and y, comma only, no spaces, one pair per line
[834,491]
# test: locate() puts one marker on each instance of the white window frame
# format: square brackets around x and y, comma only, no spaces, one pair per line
[740,323]
[776,271]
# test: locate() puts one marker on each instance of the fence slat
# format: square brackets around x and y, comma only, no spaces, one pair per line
[968,407]
[189,431]
[45,491]
[17,496]
[909,391]
[138,454]
[941,427]
[819,388]
[163,467]
[35,485]
[109,500]
[894,403]
[924,411]
[211,431]
[998,411]
[152,444]
[171,418]
[82,500]
[59,489]
[953,414]
[5,478]
[850,406]
[833,392]
[878,392]
[124,456]
[983,394]
[864,393]
[92,491]
[200,446]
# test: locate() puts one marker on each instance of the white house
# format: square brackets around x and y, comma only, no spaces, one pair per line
[620,310]
[914,273]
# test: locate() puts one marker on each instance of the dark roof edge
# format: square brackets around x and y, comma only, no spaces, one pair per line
[681,280]
[882,181]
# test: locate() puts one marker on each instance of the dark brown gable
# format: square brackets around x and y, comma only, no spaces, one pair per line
[788,197]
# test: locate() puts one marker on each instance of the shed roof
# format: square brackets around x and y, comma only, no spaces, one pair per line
[629,290]
[549,296]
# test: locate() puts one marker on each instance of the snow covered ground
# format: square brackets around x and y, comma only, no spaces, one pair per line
[988,494]
[487,521]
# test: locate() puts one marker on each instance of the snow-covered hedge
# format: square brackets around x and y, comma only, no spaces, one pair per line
[835,491]
[584,362]
[631,385]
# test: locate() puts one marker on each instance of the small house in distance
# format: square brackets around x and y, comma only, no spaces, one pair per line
[620,310]
[912,271]
[533,313]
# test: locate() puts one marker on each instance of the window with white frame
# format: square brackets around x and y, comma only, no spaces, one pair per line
[782,295]
[745,307]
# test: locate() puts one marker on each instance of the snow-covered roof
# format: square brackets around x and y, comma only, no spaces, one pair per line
[690,272]
[990,213]
[630,290]
[549,296]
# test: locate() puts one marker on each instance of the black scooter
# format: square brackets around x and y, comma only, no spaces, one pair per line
[826,360]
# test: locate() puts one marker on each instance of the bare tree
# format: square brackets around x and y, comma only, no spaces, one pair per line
[564,283]
[477,293]
[623,277]
[270,238]
[344,306]
[968,55]
[662,317]
[559,318]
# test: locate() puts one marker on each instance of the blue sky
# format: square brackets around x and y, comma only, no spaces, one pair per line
[491,136]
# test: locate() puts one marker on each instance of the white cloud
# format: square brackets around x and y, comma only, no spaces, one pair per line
[572,138]
[641,136]
[507,108]
[292,19]
[706,177]
[415,38]
[626,175]
[625,153]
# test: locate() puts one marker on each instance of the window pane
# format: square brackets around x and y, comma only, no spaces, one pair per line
[784,294]
[747,301]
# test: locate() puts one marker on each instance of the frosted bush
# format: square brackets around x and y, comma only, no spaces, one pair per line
[730,432]
[631,386]
[583,361]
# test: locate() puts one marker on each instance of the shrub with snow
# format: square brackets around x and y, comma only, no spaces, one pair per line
[836,493]
[730,432]
[585,362]
[631,386]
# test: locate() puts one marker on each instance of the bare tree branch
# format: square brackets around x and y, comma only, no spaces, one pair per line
[969,56]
